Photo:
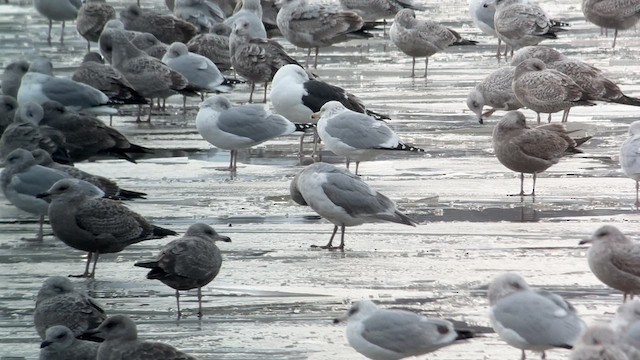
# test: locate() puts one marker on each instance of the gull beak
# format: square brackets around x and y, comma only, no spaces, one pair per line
[43,195]
[585,241]
[223,238]
[44,344]
[315,116]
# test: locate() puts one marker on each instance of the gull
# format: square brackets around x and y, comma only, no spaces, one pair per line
[358,137]
[630,156]
[121,342]
[612,14]
[59,303]
[313,25]
[422,38]
[614,259]
[482,13]
[58,10]
[105,46]
[92,17]
[251,12]
[391,334]
[8,108]
[189,262]
[626,324]
[343,198]
[60,344]
[95,225]
[148,43]
[545,90]
[531,150]
[529,319]
[494,91]
[166,28]
[598,342]
[546,54]
[371,10]
[203,14]
[214,46]
[12,76]
[230,127]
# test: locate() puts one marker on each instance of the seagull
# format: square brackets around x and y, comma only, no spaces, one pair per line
[482,13]
[495,91]
[612,14]
[58,10]
[630,156]
[91,19]
[60,344]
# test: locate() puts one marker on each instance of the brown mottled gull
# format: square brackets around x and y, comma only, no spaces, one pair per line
[630,157]
[12,76]
[343,198]
[612,14]
[615,260]
[60,344]
[531,150]
[546,54]
[95,225]
[422,38]
[8,107]
[187,263]
[105,46]
[494,91]
[203,14]
[148,43]
[214,46]
[598,342]
[92,17]
[121,342]
[546,90]
[166,28]
[314,25]
[58,303]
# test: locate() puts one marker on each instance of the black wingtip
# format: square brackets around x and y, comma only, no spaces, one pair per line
[377,116]
[464,334]
[162,232]
[305,127]
[463,42]
[627,100]
[403,147]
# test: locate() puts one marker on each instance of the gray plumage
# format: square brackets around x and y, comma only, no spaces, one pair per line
[189,262]
[343,198]
[60,344]
[92,17]
[598,342]
[214,46]
[202,73]
[8,108]
[166,28]
[630,157]
[58,303]
[530,319]
[371,10]
[422,38]
[12,76]
[521,24]
[148,43]
[494,91]
[121,342]
[545,90]
[105,44]
[546,54]
[203,14]
[95,225]
[57,10]
[251,11]
[612,14]
[530,150]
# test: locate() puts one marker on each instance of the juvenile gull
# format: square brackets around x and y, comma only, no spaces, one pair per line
[58,303]
[104,42]
[190,262]
[482,13]
[12,76]
[313,25]
[356,136]
[422,38]
[8,107]
[371,10]
[598,342]
[257,60]
[148,43]
[203,14]
[60,344]
[612,14]
[92,17]
[166,28]
[342,198]
[391,334]
[545,90]
[546,54]
[95,225]
[494,91]
[626,324]
[630,156]
[251,11]
[530,319]
[58,10]
[230,127]
[615,260]
[214,46]
[121,342]
[531,150]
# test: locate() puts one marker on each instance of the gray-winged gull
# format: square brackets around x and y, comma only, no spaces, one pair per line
[201,13]
[393,334]
[12,76]
[356,136]
[612,14]
[60,344]
[189,262]
[342,198]
[58,10]
[230,127]
[214,46]
[531,150]
[59,303]
[95,225]
[166,28]
[482,13]
[529,319]
[494,91]
[121,342]
[630,156]
[422,38]
[251,11]
[92,17]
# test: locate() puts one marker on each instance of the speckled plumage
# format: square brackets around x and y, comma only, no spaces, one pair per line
[166,28]
[60,344]
[214,46]
[92,17]
[8,108]
[494,91]
[612,14]
[521,24]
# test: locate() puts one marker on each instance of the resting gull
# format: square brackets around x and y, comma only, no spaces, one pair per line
[203,14]
[148,43]
[630,157]
[92,17]
[494,91]
[166,28]
[189,262]
[422,38]
[251,11]
[58,10]
[612,14]
[529,319]
[531,150]
[95,225]
[60,344]
[214,46]
[343,198]
[598,342]
[12,76]
[8,107]
[547,54]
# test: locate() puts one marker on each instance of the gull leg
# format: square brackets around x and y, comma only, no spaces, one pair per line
[538,118]
[426,66]
[565,115]
[315,61]
[308,56]
[62,33]
[149,117]
[499,45]
[506,49]
[316,142]
[95,262]
[413,68]
[348,162]
[615,36]
[139,112]
[341,247]
[178,302]
[184,106]
[637,190]
[40,232]
[523,356]
[549,117]
[301,149]
[49,34]
[330,243]
[199,302]
[252,87]
[88,46]
[357,165]
[264,100]
[544,355]
[86,268]
[521,186]
[533,189]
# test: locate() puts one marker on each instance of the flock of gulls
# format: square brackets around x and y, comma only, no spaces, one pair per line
[196,47]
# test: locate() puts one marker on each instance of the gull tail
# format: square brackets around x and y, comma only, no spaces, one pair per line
[402,147]
[377,116]
[461,42]
[627,100]
[559,25]
[464,334]
[160,232]
[230,81]
[156,272]
[397,217]
[129,194]
[579,141]
[362,33]
[304,128]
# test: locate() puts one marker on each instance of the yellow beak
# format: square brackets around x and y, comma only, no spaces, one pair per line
[315,116]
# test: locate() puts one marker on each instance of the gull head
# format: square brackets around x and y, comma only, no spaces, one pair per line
[634,128]
[626,315]
[607,234]
[93,57]
[358,311]
[19,160]
[206,232]
[475,103]
[217,103]
[57,338]
[513,120]
[133,11]
[42,157]
[529,65]
[116,327]
[504,285]
[30,113]
[177,49]
[328,110]
[290,72]
[41,65]
[54,286]
[405,17]
[53,109]
[220,29]
[114,24]
[18,67]
[146,40]
[241,27]
[71,189]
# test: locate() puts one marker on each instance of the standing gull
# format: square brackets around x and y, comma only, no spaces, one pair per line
[58,10]
[58,303]
[615,260]
[343,198]
[251,11]
[371,10]
[612,14]
[531,150]
[214,46]
[530,319]
[12,76]
[190,262]
[313,25]
[494,91]
[92,18]
[121,342]
[95,225]
[166,28]
[230,127]
[356,136]
[422,38]
[482,13]
[60,344]
[630,157]
[546,90]
[392,334]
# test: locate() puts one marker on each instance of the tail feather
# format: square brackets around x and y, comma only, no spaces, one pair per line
[147,264]
[464,334]
[304,127]
[160,232]
[230,81]
[579,141]
[549,35]
[463,42]
[397,217]
[128,194]
[377,115]
[362,33]
[402,147]
[627,100]
[557,23]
